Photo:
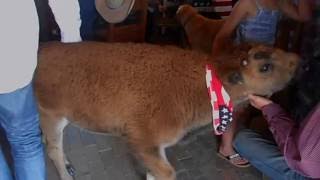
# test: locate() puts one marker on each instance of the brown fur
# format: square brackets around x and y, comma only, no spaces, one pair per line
[201,31]
[150,94]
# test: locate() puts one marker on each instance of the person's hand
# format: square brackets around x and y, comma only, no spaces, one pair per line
[258,101]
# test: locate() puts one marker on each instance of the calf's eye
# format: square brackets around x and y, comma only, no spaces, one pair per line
[266,68]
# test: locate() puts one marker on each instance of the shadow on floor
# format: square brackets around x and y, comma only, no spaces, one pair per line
[103,157]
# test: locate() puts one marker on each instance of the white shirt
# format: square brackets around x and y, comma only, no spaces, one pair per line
[19,37]
[67,16]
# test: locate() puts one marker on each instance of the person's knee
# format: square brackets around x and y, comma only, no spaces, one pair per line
[25,143]
[242,138]
[244,141]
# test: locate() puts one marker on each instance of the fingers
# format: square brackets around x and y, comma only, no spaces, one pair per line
[252,100]
[252,97]
[258,101]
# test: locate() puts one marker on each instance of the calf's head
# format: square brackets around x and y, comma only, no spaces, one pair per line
[262,70]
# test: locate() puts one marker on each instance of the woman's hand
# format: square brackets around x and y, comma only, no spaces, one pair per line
[258,101]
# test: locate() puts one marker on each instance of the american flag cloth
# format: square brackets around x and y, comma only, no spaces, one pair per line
[220,101]
[222,7]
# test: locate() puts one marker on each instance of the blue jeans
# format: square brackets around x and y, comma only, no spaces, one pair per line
[19,119]
[88,14]
[265,155]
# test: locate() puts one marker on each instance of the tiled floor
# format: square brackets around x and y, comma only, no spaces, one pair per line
[102,157]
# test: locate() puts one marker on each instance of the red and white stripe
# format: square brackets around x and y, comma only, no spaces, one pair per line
[218,96]
[222,7]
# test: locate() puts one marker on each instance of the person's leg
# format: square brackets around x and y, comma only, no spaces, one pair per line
[264,155]
[5,171]
[88,15]
[226,147]
[20,121]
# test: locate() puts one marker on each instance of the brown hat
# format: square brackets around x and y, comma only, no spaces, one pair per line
[114,11]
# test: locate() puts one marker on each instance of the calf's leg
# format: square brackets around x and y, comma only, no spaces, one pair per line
[52,127]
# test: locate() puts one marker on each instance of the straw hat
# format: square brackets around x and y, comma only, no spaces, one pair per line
[114,11]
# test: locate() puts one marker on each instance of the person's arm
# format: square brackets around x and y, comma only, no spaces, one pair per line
[279,121]
[300,145]
[280,124]
[301,12]
[223,38]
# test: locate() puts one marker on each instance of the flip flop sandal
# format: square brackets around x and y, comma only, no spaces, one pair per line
[232,159]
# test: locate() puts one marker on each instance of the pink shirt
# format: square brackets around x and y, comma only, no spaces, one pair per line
[300,144]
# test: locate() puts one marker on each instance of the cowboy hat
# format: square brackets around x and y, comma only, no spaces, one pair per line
[114,11]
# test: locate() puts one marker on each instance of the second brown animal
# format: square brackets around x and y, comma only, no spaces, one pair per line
[201,31]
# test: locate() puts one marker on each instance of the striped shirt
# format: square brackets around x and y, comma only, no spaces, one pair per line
[300,144]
